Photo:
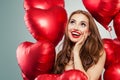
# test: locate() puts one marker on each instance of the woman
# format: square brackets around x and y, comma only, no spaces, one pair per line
[82,47]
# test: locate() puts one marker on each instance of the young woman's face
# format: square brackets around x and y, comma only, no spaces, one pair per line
[77,26]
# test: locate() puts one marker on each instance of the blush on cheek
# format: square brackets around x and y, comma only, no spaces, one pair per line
[87,32]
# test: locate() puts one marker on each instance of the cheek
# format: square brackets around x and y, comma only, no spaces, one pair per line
[69,27]
[87,32]
[68,31]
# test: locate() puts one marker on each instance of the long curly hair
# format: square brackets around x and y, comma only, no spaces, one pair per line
[90,51]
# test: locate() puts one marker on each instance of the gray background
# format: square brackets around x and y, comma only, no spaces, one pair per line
[13,31]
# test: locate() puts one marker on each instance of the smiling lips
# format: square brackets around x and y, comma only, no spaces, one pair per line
[75,34]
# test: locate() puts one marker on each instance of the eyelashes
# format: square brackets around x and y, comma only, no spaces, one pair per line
[72,21]
[82,23]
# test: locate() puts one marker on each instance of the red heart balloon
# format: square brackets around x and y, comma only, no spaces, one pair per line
[24,76]
[35,58]
[47,77]
[48,24]
[113,72]
[102,10]
[42,4]
[117,50]
[112,51]
[116,23]
[73,75]
[67,75]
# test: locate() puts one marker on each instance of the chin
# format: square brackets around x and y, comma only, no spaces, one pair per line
[74,41]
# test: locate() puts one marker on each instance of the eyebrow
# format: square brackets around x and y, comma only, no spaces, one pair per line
[84,22]
[72,19]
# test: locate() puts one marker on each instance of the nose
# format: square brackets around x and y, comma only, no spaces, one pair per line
[76,26]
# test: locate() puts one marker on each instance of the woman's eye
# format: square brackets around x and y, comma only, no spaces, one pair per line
[83,24]
[72,22]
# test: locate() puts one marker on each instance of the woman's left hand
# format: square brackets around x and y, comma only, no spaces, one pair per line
[80,43]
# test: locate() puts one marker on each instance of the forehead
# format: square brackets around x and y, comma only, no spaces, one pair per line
[80,17]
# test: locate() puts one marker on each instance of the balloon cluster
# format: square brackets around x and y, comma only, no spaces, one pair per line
[104,11]
[46,21]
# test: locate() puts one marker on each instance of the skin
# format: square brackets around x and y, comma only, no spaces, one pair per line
[78,31]
[79,24]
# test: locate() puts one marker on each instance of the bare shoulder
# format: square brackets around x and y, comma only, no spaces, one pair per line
[102,58]
[103,54]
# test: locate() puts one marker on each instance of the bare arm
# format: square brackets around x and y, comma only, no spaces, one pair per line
[95,71]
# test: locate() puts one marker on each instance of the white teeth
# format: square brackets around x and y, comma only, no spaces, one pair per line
[75,33]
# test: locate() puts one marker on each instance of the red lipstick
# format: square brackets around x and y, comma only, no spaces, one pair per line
[75,34]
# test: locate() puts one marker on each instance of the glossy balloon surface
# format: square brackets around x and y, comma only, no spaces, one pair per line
[48,24]
[42,4]
[103,10]
[35,58]
[67,75]
[113,72]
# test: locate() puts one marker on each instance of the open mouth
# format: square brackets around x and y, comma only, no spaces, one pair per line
[75,34]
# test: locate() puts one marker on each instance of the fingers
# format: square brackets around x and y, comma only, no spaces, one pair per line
[80,43]
[82,39]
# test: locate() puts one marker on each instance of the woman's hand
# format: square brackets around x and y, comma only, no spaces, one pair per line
[80,43]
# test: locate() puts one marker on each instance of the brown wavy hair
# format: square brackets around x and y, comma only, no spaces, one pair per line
[90,51]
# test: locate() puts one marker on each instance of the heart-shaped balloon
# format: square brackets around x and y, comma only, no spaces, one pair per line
[112,51]
[48,24]
[24,76]
[67,75]
[35,58]
[116,23]
[117,50]
[42,4]
[47,77]
[103,10]
[113,72]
